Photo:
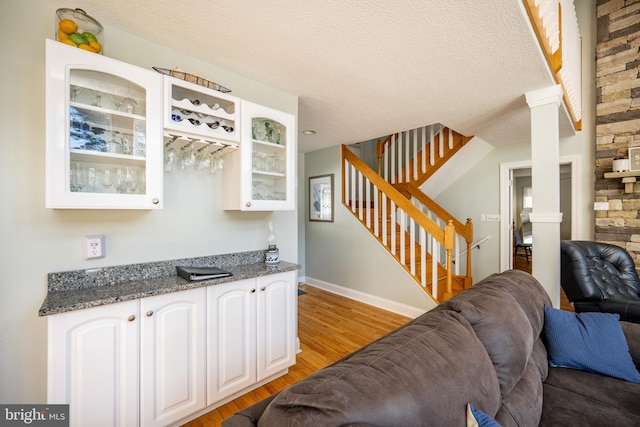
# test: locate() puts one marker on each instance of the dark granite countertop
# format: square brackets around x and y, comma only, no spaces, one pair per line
[80,289]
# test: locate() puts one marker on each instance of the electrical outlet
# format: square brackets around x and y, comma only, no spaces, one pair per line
[93,247]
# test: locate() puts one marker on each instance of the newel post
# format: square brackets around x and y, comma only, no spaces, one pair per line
[449,242]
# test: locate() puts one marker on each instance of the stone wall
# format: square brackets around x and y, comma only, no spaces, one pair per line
[617,119]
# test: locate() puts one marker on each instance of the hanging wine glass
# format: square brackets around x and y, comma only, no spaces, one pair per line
[204,159]
[170,154]
[187,155]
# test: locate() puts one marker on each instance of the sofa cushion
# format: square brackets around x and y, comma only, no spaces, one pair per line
[526,290]
[632,334]
[502,327]
[523,406]
[581,398]
[426,370]
[589,341]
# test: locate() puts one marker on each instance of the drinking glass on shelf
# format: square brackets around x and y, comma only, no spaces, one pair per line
[78,177]
[132,177]
[128,105]
[142,181]
[125,144]
[120,180]
[258,130]
[107,180]
[97,102]
[91,180]
[114,142]
[75,90]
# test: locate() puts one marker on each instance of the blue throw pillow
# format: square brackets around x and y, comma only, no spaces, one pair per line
[477,418]
[591,342]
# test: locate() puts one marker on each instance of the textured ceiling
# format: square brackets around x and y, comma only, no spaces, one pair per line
[362,69]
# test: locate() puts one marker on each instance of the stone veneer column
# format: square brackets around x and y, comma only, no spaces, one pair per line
[545,185]
[617,119]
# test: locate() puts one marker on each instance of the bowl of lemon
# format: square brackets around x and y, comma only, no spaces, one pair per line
[75,28]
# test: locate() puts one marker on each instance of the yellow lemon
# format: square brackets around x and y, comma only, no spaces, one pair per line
[62,35]
[86,47]
[68,26]
[97,47]
[69,42]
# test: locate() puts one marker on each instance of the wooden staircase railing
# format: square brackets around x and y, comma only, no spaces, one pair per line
[415,155]
[463,232]
[555,23]
[416,241]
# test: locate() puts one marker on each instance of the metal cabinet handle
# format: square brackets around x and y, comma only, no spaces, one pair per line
[248,204]
[262,288]
[253,290]
[149,313]
[131,318]
[155,201]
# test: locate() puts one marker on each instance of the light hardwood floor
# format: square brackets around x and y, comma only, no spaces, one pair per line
[329,327]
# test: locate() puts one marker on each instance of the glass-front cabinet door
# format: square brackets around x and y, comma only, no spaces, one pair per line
[260,175]
[104,132]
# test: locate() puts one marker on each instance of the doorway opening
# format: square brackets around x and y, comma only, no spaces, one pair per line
[516,204]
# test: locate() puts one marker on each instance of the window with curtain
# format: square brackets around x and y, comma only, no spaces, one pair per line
[527,198]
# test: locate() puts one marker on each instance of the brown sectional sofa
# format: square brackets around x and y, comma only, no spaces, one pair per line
[483,347]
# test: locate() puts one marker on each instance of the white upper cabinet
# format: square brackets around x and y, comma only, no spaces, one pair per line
[103,132]
[260,176]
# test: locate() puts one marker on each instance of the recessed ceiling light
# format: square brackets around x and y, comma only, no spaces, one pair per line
[309,132]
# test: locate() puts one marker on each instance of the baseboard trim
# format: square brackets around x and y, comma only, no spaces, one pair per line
[383,303]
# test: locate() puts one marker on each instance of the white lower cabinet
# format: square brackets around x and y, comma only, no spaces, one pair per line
[172,356]
[93,364]
[251,334]
[161,359]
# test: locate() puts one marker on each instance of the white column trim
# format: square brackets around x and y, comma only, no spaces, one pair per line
[545,217]
[548,95]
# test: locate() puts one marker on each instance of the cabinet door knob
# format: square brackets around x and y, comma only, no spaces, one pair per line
[262,288]
[132,318]
[149,313]
[155,201]
[253,290]
[248,204]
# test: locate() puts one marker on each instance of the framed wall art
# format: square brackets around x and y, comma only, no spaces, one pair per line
[321,198]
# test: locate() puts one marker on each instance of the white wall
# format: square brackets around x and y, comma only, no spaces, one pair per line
[36,241]
[343,252]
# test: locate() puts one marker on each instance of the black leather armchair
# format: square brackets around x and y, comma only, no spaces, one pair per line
[600,277]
